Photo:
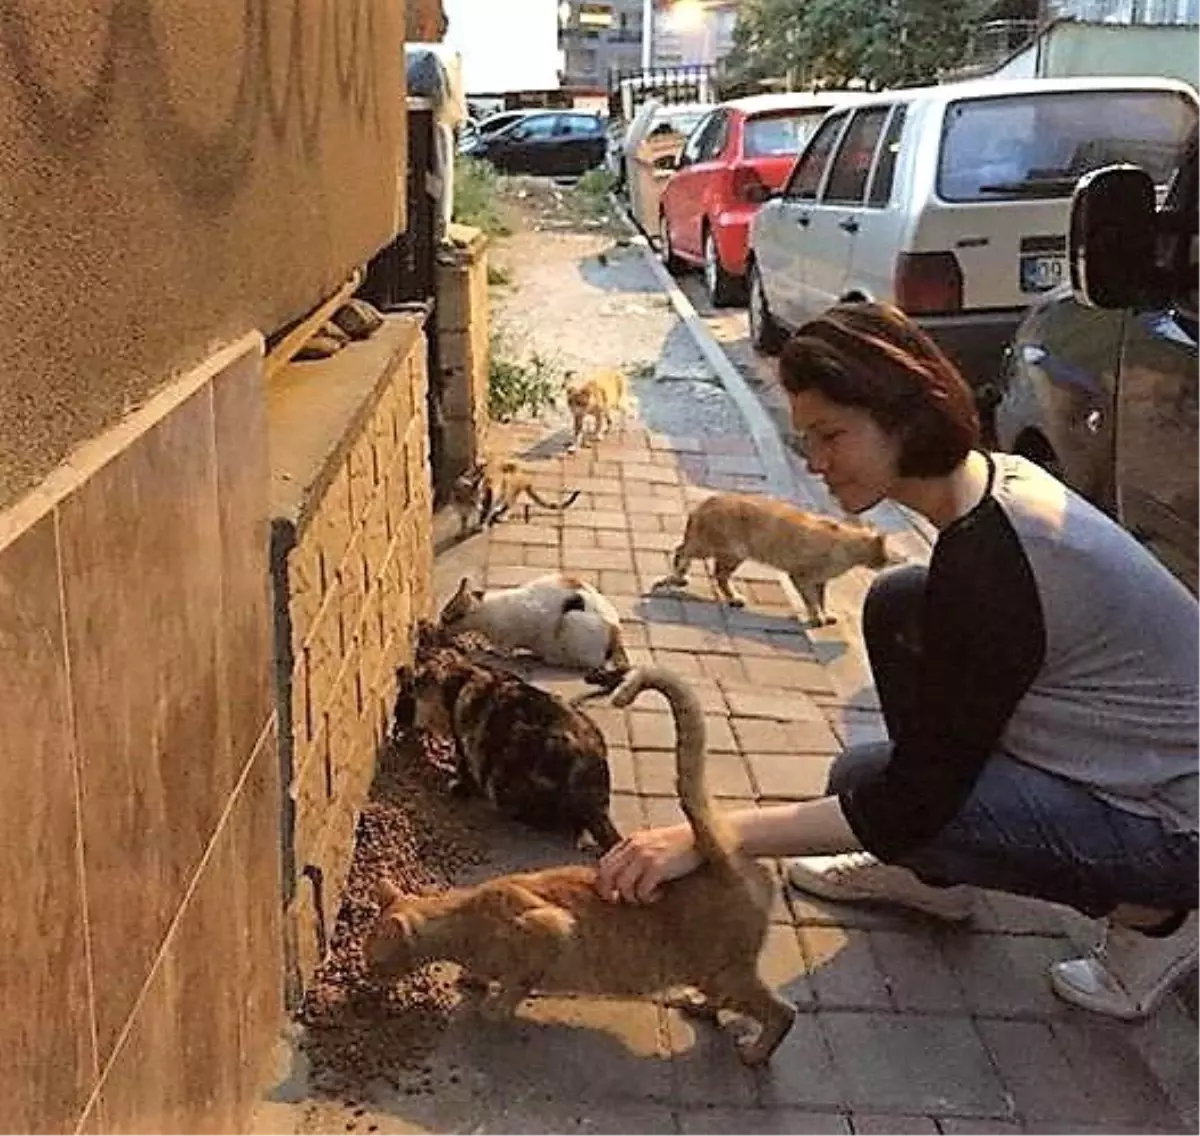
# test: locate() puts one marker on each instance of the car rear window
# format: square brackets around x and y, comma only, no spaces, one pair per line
[677,122]
[784,132]
[1023,147]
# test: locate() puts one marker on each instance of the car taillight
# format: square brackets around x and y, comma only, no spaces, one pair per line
[928,282]
[746,185]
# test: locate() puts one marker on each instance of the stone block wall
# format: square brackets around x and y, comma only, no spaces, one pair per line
[352,564]
[142,981]
[464,345]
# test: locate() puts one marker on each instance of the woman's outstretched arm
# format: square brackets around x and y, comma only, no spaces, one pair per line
[635,869]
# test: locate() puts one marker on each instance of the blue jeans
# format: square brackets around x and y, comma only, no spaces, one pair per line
[1021,830]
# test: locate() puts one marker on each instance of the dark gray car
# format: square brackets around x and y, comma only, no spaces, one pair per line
[1100,384]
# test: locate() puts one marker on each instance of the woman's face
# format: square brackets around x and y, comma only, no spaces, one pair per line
[847,449]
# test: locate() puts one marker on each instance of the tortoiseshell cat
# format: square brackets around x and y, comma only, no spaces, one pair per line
[550,931]
[538,759]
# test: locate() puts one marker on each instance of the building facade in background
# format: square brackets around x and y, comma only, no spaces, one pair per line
[599,39]
[693,32]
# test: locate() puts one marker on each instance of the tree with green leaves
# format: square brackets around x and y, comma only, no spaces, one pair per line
[829,43]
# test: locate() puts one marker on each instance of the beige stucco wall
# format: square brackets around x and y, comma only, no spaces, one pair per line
[175,175]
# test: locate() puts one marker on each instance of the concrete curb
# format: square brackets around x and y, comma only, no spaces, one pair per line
[763,433]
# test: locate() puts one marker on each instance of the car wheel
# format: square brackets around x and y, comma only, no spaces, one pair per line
[765,333]
[723,288]
[666,253]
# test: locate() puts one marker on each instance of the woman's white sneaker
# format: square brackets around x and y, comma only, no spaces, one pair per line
[858,877]
[1129,973]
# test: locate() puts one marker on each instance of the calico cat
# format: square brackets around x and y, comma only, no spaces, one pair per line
[491,487]
[596,397]
[539,760]
[561,619]
[732,527]
[551,931]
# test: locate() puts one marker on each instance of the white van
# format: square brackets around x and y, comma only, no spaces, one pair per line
[952,202]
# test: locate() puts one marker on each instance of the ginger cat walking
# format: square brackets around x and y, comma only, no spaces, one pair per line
[733,527]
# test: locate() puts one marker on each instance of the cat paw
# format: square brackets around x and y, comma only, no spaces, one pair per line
[756,1047]
[693,1003]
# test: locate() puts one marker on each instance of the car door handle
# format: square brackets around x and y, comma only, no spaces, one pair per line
[850,225]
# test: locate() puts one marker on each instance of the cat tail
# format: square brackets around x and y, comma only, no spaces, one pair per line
[546,503]
[714,840]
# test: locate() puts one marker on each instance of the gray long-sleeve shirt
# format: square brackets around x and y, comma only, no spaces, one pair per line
[1050,634]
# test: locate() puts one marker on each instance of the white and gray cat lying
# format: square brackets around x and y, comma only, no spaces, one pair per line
[561,619]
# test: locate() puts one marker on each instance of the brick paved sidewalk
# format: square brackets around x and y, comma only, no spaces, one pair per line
[905,1026]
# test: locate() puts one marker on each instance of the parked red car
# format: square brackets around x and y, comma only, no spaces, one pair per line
[736,156]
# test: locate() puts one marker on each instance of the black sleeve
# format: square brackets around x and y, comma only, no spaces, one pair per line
[983,643]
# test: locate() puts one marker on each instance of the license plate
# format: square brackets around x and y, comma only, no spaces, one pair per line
[1041,273]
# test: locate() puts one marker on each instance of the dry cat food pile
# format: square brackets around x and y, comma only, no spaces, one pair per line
[357,1031]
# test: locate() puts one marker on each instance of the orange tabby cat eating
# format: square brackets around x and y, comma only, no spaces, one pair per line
[551,931]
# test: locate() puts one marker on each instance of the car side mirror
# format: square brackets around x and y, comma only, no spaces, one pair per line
[1113,237]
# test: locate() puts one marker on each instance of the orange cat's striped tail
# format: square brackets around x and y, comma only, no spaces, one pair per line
[714,840]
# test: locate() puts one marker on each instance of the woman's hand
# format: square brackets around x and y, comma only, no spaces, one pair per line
[635,869]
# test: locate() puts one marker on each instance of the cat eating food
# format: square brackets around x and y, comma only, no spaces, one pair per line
[561,619]
[812,550]
[550,930]
[539,760]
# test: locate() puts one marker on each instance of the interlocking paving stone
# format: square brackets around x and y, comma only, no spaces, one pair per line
[842,968]
[790,674]
[876,1124]
[1006,975]
[789,776]
[756,703]
[915,970]
[783,966]
[908,1063]
[584,1049]
[704,1064]
[1037,1075]
[766,1120]
[1123,1092]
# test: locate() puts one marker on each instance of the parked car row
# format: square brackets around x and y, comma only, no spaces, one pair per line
[553,143]
[950,201]
[956,203]
[736,157]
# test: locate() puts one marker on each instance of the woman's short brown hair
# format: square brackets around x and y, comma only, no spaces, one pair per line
[874,357]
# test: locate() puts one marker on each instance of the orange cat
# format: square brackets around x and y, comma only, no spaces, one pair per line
[552,932]
[732,527]
[597,397]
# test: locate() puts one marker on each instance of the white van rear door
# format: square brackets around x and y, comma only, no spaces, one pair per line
[1007,167]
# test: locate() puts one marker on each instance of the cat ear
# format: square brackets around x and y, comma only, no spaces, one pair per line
[464,586]
[385,892]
